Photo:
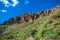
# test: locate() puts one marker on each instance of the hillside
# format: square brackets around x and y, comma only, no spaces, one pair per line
[45,27]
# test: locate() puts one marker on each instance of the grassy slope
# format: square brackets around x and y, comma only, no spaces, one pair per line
[41,28]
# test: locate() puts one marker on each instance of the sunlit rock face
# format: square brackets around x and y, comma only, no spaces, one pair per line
[31,16]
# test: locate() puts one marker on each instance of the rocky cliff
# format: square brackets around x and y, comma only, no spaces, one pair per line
[29,17]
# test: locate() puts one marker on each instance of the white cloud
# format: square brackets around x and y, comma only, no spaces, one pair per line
[26,2]
[7,3]
[4,11]
[15,2]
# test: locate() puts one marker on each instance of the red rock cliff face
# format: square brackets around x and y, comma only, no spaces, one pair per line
[32,16]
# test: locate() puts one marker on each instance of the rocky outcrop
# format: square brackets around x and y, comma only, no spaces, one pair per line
[29,17]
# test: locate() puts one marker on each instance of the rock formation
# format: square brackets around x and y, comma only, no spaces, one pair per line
[29,17]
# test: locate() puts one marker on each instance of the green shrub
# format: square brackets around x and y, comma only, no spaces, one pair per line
[50,34]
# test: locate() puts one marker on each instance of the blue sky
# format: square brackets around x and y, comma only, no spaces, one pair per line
[13,8]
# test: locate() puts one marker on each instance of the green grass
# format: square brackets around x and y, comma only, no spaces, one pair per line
[38,29]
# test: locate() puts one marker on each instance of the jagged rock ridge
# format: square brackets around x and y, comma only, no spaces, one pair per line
[31,16]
